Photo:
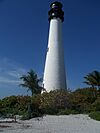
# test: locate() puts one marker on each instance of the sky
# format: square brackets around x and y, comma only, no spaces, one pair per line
[24,31]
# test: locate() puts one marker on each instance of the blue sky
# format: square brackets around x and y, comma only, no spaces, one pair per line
[24,34]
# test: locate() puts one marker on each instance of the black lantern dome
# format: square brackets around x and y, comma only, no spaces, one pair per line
[56,11]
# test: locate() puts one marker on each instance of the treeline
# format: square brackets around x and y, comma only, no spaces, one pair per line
[58,102]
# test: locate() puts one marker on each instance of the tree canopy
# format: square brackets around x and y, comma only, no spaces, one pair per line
[93,79]
[32,82]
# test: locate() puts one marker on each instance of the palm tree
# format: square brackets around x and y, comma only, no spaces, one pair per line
[32,82]
[93,79]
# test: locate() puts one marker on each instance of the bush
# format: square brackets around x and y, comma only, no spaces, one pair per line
[96,104]
[95,115]
[54,101]
[67,112]
[25,116]
[59,102]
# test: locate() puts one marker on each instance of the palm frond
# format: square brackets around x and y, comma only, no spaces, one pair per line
[93,78]
[32,82]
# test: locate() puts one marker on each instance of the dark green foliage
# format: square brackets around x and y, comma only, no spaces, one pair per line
[88,94]
[52,102]
[93,79]
[25,116]
[96,104]
[67,112]
[58,102]
[22,103]
[18,105]
[9,101]
[95,115]
[8,105]
[32,82]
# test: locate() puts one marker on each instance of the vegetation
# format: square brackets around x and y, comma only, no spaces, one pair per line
[93,79]
[95,115]
[58,102]
[32,82]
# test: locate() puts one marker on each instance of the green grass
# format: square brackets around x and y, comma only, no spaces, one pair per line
[95,115]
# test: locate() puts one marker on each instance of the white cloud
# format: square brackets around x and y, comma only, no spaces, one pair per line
[10,72]
[14,74]
[9,81]
[17,72]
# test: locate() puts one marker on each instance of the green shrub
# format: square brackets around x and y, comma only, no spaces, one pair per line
[25,116]
[95,115]
[50,111]
[54,101]
[67,112]
[96,104]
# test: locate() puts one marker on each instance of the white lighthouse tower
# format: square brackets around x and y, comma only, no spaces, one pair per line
[54,73]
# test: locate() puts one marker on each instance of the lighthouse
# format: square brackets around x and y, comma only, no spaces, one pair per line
[54,71]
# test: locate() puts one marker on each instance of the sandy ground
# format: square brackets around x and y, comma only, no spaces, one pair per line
[53,124]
